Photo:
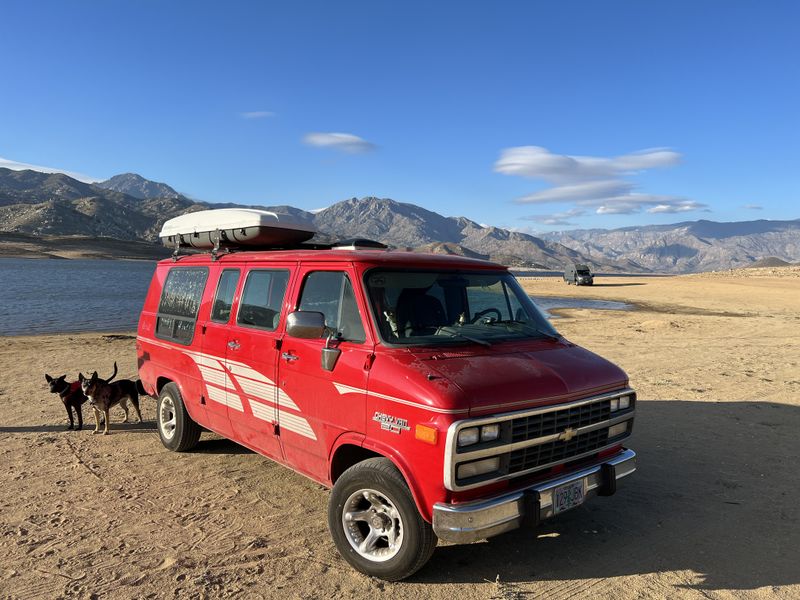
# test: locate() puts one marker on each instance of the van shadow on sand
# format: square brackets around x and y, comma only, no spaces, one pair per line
[219,445]
[715,494]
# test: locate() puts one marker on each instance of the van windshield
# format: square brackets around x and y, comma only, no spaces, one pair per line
[443,307]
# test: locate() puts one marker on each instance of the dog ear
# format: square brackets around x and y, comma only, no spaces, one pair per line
[81,377]
[48,378]
[94,376]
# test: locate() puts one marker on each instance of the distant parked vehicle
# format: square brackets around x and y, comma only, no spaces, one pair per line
[578,274]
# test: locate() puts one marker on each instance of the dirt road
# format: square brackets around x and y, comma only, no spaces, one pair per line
[711,513]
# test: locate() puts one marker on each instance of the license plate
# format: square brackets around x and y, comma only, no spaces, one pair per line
[568,496]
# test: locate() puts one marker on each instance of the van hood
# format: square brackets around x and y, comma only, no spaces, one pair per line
[494,381]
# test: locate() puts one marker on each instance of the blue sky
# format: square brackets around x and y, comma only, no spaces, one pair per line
[530,115]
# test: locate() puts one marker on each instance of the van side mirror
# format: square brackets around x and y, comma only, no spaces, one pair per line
[305,324]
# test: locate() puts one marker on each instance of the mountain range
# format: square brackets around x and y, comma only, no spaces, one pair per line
[130,207]
[686,247]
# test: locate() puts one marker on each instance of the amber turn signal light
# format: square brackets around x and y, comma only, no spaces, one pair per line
[427,434]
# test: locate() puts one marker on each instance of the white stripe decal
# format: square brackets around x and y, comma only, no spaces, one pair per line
[215,376]
[206,360]
[263,411]
[244,371]
[286,402]
[296,424]
[229,399]
[260,391]
[252,383]
[349,389]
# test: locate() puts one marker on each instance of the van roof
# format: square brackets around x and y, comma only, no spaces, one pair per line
[389,258]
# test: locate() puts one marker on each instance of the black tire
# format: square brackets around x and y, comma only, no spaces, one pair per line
[177,430]
[380,480]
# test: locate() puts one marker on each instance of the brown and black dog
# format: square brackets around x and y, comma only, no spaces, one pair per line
[103,394]
[71,395]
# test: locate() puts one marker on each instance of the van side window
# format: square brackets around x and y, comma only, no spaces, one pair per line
[262,298]
[331,293]
[180,301]
[226,288]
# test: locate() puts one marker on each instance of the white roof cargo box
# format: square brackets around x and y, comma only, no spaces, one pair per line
[233,227]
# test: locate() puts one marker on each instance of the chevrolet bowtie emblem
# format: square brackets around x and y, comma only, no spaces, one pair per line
[567,435]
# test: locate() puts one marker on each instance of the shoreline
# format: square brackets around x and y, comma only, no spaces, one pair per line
[56,247]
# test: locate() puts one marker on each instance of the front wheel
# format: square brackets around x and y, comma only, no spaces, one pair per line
[375,524]
[177,430]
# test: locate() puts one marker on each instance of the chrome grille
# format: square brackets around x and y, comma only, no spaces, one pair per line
[536,426]
[552,452]
[535,439]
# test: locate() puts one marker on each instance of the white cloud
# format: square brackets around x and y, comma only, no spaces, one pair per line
[678,207]
[559,218]
[619,208]
[592,181]
[257,114]
[540,163]
[753,207]
[654,204]
[20,166]
[590,190]
[346,142]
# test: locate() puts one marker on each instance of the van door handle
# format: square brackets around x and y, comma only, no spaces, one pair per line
[233,345]
[289,356]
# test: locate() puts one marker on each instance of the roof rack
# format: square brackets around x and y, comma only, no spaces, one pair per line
[232,229]
[222,248]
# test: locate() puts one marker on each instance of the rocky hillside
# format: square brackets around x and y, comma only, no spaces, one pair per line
[45,204]
[688,247]
[138,187]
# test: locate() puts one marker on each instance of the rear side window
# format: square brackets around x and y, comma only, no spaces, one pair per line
[331,293]
[180,301]
[262,298]
[223,301]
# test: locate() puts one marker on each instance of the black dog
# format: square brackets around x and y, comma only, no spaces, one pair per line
[71,395]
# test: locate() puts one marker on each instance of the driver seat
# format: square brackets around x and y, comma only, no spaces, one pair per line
[419,314]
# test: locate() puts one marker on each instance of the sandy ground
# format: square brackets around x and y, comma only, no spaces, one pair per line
[711,513]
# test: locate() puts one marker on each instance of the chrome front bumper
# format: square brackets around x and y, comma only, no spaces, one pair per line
[472,521]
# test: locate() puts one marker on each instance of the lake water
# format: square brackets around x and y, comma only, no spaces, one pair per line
[65,296]
[53,296]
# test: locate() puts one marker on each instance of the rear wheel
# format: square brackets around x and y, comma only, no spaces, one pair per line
[177,430]
[375,524]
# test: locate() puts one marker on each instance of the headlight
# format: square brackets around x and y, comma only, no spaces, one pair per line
[615,405]
[624,402]
[479,467]
[473,435]
[490,432]
[617,429]
[468,436]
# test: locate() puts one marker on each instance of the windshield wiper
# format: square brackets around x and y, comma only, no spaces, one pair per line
[529,327]
[469,338]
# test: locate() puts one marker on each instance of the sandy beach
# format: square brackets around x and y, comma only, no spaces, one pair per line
[711,513]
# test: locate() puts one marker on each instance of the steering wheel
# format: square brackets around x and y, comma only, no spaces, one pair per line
[482,313]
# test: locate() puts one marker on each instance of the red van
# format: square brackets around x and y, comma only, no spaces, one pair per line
[427,391]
